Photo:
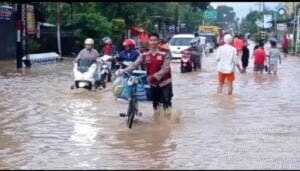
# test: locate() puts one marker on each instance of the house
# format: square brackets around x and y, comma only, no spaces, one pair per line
[284,26]
[290,7]
[138,34]
[7,32]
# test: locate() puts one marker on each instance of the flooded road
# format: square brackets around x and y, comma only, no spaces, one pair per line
[45,125]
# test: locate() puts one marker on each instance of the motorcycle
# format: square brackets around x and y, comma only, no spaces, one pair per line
[92,73]
[105,70]
[186,61]
[84,71]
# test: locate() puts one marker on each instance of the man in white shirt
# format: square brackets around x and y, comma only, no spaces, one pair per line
[227,61]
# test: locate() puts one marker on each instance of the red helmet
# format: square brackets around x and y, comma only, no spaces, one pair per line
[129,42]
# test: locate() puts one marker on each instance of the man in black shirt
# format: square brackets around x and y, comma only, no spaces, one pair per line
[245,56]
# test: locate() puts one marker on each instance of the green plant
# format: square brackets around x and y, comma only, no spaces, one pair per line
[91,25]
[33,45]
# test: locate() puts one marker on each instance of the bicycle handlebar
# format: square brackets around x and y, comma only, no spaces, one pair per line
[129,74]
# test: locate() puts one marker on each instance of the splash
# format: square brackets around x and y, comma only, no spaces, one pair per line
[169,116]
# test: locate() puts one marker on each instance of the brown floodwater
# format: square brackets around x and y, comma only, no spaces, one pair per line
[45,125]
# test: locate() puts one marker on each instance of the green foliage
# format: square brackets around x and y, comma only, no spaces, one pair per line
[91,25]
[33,45]
[118,29]
[98,19]
[225,14]
[248,23]
[200,5]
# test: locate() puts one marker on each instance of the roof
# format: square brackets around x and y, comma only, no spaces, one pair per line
[47,24]
[206,33]
[183,36]
[137,29]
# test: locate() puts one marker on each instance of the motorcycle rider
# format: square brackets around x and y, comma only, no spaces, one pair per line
[196,52]
[109,49]
[92,54]
[129,53]
[159,77]
[88,52]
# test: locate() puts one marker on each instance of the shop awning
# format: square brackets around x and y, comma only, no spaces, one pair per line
[136,29]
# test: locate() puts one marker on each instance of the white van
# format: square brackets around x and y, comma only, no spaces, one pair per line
[179,43]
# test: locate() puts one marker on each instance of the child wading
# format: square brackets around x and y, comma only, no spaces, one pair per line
[274,57]
[259,58]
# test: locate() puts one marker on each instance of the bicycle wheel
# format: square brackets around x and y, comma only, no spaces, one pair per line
[131,108]
[132,111]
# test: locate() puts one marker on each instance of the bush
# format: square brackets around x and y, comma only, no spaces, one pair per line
[118,28]
[33,45]
[92,25]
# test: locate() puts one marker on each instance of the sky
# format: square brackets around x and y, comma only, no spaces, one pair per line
[243,8]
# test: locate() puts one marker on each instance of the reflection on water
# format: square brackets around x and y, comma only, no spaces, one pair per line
[45,125]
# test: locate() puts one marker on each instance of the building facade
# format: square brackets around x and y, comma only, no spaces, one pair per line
[290,7]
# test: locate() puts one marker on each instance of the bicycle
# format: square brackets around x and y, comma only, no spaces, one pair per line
[133,101]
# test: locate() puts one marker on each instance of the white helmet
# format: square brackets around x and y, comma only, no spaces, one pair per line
[194,42]
[89,41]
[227,38]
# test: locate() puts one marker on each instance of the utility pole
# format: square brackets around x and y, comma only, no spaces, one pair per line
[275,23]
[25,37]
[294,25]
[58,26]
[297,37]
[176,18]
[19,34]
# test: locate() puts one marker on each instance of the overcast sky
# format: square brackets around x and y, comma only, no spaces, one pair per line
[243,8]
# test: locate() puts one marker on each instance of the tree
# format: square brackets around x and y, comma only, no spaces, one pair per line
[248,23]
[98,19]
[201,5]
[225,16]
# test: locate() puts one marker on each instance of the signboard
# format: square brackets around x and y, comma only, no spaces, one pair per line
[281,27]
[30,19]
[182,25]
[172,29]
[210,14]
[267,21]
[258,23]
[6,12]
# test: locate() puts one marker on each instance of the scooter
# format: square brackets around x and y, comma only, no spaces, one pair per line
[105,69]
[186,61]
[84,71]
[91,73]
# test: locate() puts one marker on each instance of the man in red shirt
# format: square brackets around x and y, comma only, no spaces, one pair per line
[285,44]
[157,61]
[238,43]
[259,58]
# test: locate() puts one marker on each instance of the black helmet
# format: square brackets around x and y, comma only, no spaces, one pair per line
[273,41]
[196,34]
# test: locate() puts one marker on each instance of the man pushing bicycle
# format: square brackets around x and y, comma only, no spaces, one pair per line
[157,61]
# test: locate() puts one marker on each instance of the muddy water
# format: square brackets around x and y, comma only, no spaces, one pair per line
[45,125]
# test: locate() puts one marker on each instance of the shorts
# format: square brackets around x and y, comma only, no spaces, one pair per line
[285,50]
[226,76]
[259,67]
[273,67]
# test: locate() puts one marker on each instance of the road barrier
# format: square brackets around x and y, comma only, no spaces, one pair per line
[43,58]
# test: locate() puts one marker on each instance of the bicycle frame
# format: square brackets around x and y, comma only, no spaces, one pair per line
[133,102]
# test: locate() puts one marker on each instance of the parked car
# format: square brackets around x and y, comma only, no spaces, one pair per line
[178,43]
